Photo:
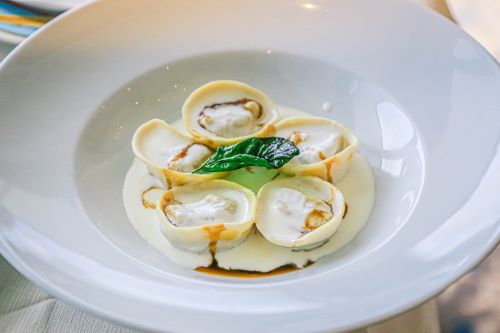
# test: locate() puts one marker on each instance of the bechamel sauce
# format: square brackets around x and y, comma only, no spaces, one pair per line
[256,253]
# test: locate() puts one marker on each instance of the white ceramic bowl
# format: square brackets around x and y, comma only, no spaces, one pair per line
[421,95]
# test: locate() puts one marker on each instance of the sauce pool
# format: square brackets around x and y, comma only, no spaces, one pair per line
[238,273]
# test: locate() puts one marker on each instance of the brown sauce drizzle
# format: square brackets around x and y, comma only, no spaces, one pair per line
[328,166]
[270,130]
[145,202]
[180,155]
[332,160]
[213,232]
[238,273]
[295,138]
[169,180]
[310,225]
[345,210]
[165,200]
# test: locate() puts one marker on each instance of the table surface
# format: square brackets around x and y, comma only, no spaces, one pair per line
[469,305]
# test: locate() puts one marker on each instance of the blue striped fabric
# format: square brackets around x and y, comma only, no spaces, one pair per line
[21,30]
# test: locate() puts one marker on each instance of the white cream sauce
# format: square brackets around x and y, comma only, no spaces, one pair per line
[327,106]
[255,253]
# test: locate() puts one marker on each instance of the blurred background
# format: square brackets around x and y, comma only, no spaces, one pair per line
[469,305]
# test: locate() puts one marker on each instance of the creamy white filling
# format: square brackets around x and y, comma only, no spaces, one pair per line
[313,150]
[297,214]
[230,121]
[187,158]
[209,210]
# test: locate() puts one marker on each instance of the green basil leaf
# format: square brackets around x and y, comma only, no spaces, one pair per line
[271,153]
